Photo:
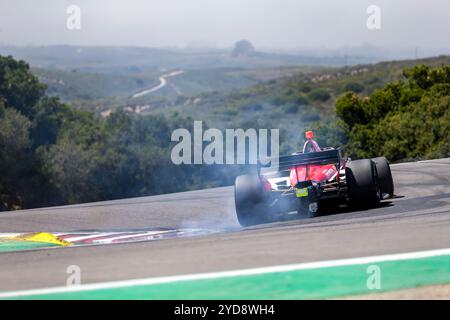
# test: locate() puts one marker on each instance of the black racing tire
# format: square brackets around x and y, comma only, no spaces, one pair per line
[250,206]
[362,184]
[304,213]
[385,180]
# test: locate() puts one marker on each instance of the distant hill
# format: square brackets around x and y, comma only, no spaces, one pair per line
[99,91]
[133,59]
[76,85]
[295,102]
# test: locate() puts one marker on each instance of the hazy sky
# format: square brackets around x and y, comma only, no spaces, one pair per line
[267,23]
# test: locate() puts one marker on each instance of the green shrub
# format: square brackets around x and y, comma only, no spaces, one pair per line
[319,95]
[354,87]
[404,120]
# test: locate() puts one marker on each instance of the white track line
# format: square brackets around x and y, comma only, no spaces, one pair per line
[234,273]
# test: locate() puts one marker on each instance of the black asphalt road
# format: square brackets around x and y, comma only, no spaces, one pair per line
[418,219]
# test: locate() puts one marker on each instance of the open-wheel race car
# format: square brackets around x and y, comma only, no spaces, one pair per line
[304,181]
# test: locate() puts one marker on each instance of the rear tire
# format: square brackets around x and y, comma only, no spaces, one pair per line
[250,206]
[385,180]
[362,184]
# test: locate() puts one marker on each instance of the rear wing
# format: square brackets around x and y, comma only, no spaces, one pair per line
[286,162]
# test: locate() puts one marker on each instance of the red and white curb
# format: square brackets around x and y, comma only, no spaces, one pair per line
[112,237]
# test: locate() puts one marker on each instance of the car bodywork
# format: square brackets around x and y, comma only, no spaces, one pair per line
[302,182]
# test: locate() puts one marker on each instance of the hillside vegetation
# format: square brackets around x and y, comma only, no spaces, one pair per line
[404,120]
[295,103]
[113,59]
[97,91]
[75,85]
[51,153]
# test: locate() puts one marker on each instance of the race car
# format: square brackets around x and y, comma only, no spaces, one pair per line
[305,180]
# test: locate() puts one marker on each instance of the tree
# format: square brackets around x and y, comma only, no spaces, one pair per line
[350,109]
[49,118]
[14,156]
[403,120]
[319,95]
[354,87]
[243,48]
[19,88]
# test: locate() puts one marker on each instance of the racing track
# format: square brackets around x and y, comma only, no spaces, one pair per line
[418,219]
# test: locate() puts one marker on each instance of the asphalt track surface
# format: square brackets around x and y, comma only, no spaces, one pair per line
[417,219]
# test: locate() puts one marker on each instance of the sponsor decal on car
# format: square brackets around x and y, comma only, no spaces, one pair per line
[301,192]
